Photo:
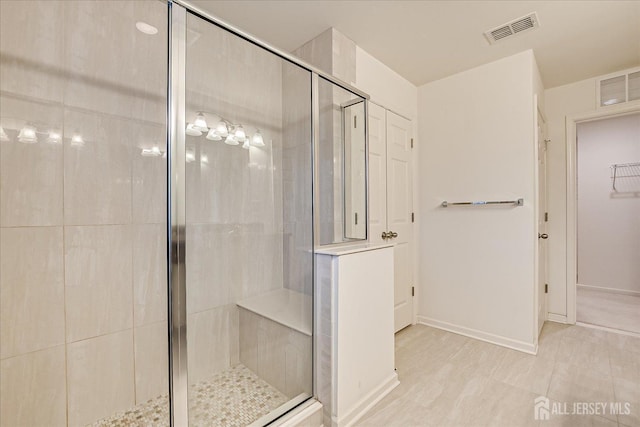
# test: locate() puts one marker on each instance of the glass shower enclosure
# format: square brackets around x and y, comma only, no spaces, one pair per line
[246,136]
[161,195]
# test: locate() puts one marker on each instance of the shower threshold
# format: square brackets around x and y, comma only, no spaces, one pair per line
[234,397]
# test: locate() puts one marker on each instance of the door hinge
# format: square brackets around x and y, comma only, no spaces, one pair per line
[546,217]
[413,217]
[355,121]
[411,142]
[356,218]
[546,288]
[413,291]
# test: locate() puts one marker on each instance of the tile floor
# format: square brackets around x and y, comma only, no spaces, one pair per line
[450,380]
[608,309]
[235,397]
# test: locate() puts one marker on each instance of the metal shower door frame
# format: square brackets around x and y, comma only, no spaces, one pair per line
[176,188]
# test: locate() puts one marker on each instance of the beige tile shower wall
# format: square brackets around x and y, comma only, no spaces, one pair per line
[234,196]
[278,354]
[83,321]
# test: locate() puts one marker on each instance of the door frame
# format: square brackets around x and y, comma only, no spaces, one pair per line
[415,224]
[539,114]
[571,123]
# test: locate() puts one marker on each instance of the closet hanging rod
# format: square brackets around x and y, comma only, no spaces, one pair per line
[519,202]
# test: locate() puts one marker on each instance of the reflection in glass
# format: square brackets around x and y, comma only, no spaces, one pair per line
[341,164]
[249,259]
[355,201]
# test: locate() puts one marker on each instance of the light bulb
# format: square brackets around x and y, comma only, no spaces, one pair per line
[76,140]
[221,129]
[231,140]
[239,134]
[257,140]
[3,135]
[246,144]
[200,123]
[28,135]
[54,137]
[192,130]
[213,135]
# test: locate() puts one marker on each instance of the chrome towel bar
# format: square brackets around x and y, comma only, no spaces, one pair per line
[519,202]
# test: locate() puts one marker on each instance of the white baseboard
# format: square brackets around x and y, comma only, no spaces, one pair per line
[610,290]
[367,402]
[525,347]
[604,328]
[558,318]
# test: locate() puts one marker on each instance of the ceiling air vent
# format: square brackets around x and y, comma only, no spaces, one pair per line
[520,25]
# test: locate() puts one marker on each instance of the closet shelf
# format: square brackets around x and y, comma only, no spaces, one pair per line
[624,170]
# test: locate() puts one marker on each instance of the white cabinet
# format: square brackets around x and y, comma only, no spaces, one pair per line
[354,330]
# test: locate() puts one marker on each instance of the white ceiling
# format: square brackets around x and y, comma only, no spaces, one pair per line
[427,40]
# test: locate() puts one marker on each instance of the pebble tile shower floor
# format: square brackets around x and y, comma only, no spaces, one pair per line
[235,397]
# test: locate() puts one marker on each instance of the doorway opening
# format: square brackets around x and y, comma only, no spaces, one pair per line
[608,222]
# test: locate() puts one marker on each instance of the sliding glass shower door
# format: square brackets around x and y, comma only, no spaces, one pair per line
[248,229]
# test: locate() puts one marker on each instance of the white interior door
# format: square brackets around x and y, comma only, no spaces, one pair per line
[399,209]
[542,221]
[377,173]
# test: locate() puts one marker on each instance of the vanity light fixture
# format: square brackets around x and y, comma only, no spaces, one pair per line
[231,140]
[213,135]
[239,134]
[192,130]
[28,135]
[3,135]
[54,137]
[200,123]
[221,129]
[257,140]
[77,140]
[224,130]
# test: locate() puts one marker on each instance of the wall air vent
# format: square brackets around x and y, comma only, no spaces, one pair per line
[520,25]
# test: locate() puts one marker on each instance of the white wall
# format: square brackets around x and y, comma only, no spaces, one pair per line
[386,87]
[560,102]
[608,220]
[392,91]
[477,264]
